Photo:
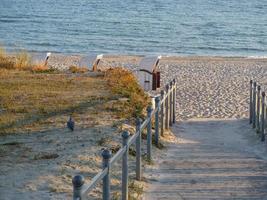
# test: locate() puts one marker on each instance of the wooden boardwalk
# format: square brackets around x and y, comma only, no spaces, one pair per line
[213,159]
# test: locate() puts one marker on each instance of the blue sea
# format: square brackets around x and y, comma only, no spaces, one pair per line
[139,27]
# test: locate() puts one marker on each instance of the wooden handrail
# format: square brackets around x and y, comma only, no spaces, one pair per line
[257,109]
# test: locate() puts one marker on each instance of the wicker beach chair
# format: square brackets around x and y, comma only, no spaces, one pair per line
[148,73]
[91,61]
[41,58]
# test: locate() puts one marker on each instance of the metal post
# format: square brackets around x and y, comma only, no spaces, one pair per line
[262,116]
[250,102]
[106,155]
[124,179]
[157,103]
[254,105]
[258,109]
[167,107]
[138,150]
[149,139]
[174,100]
[162,111]
[170,103]
[77,183]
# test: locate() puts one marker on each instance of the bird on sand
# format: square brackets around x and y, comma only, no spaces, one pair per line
[70,124]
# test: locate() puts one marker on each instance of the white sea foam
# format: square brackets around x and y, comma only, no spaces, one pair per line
[256,57]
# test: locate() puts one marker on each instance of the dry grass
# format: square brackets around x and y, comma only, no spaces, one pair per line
[5,61]
[39,68]
[27,97]
[21,61]
[31,93]
[30,99]
[124,84]
[75,69]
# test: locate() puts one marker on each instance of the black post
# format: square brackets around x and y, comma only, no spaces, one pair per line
[106,155]
[263,117]
[258,109]
[254,105]
[250,102]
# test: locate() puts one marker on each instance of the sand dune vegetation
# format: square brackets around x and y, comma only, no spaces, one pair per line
[34,109]
[32,94]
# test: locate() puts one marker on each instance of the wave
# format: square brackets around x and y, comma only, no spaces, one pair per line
[256,57]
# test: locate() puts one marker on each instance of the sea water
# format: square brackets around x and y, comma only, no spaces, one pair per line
[169,27]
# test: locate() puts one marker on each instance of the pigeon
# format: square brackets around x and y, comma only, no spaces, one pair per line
[70,124]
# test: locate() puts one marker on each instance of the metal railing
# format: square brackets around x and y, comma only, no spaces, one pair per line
[257,109]
[164,114]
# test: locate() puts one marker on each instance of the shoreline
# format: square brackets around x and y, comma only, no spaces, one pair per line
[165,55]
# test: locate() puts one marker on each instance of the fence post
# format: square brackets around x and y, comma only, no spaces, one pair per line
[162,111]
[250,102]
[174,100]
[124,180]
[77,183]
[170,103]
[258,109]
[138,150]
[254,105]
[262,116]
[106,155]
[157,101]
[149,139]
[167,107]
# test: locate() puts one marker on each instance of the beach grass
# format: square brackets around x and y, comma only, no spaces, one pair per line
[29,98]
[21,61]
[123,83]
[75,69]
[39,101]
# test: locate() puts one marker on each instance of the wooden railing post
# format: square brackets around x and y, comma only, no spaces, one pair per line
[138,150]
[149,134]
[157,103]
[170,103]
[258,109]
[162,111]
[167,107]
[174,100]
[106,155]
[77,182]
[250,102]
[124,180]
[263,116]
[254,105]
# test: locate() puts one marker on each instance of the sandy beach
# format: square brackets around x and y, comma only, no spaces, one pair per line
[73,80]
[207,87]
[213,87]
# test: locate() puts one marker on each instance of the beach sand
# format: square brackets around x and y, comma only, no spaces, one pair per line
[213,87]
[207,87]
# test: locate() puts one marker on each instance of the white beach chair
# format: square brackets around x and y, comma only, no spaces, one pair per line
[40,58]
[91,61]
[148,73]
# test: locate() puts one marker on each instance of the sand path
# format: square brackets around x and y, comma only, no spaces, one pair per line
[211,159]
